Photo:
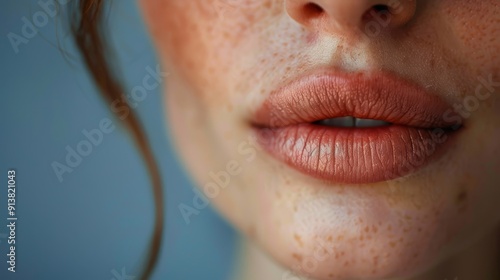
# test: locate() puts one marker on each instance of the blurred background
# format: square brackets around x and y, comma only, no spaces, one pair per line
[94,220]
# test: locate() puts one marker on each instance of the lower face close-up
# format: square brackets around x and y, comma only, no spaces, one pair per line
[347,139]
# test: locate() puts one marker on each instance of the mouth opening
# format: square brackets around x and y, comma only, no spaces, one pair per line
[352,122]
[361,123]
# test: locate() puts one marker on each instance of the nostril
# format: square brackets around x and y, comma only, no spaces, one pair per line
[376,10]
[313,9]
[381,8]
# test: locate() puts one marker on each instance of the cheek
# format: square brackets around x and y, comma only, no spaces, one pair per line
[202,40]
[178,30]
[476,25]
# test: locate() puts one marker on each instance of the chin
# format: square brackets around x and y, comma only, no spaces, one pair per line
[388,230]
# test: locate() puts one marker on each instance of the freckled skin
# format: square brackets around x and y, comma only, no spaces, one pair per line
[224,57]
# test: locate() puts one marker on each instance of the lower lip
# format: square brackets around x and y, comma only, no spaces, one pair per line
[355,155]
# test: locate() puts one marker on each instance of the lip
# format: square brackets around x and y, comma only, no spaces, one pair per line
[422,126]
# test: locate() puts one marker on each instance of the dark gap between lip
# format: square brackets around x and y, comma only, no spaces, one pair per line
[319,124]
[448,129]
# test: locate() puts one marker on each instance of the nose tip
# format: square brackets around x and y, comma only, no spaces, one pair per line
[350,15]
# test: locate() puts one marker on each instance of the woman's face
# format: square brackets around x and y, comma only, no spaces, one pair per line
[250,81]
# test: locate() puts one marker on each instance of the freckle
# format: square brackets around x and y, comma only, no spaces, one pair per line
[330,238]
[361,238]
[419,229]
[393,244]
[295,208]
[298,238]
[461,198]
[367,229]
[415,255]
[389,227]
[375,229]
[297,257]
[346,263]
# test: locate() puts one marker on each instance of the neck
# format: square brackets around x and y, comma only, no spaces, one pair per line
[479,261]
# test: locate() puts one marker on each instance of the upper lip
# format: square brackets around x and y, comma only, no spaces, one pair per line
[328,94]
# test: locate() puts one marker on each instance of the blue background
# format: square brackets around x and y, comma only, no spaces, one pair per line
[100,218]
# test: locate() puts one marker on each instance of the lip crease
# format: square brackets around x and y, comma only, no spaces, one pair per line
[422,126]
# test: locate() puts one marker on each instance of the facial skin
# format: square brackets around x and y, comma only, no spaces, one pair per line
[226,56]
